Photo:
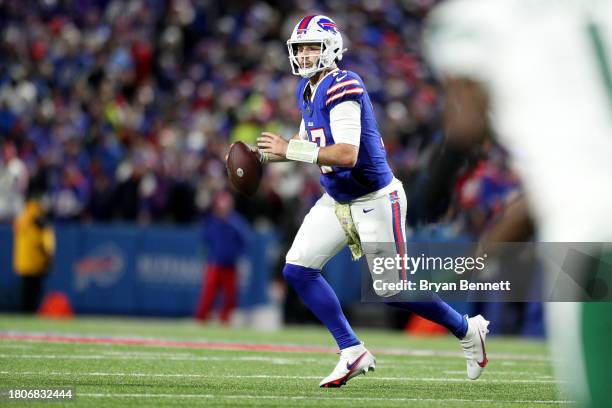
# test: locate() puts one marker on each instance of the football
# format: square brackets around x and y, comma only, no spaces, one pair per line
[243,169]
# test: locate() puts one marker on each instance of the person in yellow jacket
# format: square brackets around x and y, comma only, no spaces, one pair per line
[33,250]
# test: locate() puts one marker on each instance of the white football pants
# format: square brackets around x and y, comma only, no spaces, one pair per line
[379,218]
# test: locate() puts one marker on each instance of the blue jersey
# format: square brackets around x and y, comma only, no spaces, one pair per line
[371,172]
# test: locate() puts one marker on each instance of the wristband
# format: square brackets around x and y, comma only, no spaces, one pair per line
[302,150]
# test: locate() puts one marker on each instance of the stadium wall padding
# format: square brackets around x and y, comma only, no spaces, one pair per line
[152,270]
[134,270]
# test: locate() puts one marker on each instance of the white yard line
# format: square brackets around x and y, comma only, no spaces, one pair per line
[186,357]
[194,357]
[315,397]
[388,351]
[271,360]
[263,376]
[16,346]
[130,355]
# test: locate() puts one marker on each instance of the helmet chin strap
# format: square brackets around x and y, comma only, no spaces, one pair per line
[322,73]
[314,72]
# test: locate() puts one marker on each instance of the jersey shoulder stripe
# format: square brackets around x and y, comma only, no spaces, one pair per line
[343,86]
[343,94]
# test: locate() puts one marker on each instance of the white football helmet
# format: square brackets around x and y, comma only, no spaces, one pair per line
[319,30]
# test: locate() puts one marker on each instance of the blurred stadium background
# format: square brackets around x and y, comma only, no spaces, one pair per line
[117,115]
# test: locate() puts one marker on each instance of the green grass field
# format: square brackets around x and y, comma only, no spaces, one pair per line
[415,372]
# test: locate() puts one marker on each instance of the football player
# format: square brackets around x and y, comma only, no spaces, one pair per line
[363,201]
[541,73]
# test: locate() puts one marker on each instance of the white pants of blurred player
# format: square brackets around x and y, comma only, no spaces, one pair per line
[379,218]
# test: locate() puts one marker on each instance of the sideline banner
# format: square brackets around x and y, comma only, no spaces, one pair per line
[135,270]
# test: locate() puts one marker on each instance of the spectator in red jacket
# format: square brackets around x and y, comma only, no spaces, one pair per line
[225,234]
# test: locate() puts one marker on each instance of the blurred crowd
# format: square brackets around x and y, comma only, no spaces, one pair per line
[123,110]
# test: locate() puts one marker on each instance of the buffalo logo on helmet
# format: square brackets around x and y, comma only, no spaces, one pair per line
[328,25]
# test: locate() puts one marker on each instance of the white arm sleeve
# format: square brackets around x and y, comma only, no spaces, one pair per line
[345,123]
[302,132]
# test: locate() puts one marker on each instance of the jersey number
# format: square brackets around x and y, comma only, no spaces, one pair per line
[318,136]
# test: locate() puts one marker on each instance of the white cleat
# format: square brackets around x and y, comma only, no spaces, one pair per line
[354,360]
[474,346]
